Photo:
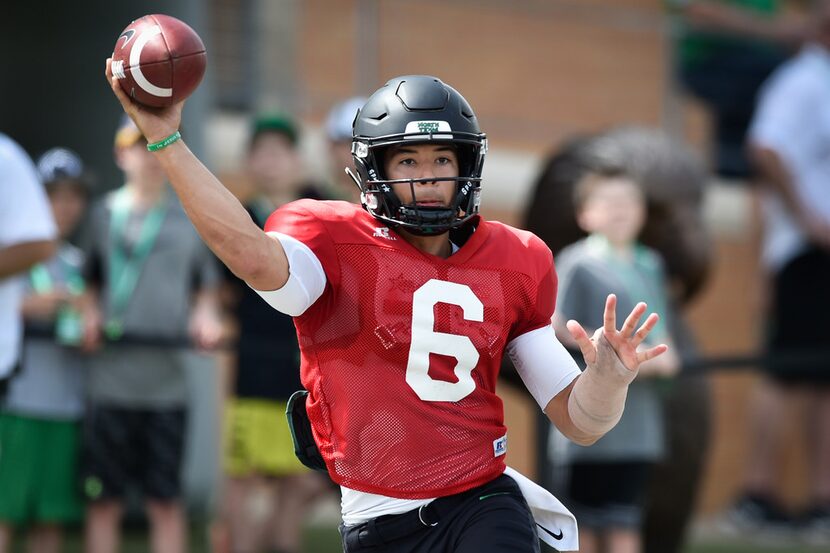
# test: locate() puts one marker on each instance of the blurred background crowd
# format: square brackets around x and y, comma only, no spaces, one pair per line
[150,387]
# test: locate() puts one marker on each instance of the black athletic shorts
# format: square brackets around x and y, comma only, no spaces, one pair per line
[608,495]
[132,448]
[799,325]
[493,518]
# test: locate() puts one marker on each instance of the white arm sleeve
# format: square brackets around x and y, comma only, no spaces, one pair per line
[544,364]
[306,278]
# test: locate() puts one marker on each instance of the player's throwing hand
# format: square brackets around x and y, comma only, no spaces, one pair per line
[155,123]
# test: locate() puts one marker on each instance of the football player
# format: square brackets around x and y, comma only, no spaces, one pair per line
[404,308]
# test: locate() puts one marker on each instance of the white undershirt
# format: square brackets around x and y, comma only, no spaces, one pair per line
[545,366]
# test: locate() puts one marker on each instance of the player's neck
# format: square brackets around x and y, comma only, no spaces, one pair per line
[438,245]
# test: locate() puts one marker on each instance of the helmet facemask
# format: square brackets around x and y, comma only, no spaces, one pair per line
[417,109]
[381,201]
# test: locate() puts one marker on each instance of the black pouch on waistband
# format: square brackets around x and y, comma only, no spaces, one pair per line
[305,448]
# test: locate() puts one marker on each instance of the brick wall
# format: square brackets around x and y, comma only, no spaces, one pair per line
[535,71]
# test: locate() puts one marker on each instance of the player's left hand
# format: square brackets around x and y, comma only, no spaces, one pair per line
[614,353]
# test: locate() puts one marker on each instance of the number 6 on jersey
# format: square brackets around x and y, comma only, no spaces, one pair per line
[425,341]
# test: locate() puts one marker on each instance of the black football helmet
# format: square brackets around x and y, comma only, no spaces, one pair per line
[417,109]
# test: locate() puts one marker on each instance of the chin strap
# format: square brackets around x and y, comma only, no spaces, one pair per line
[427,219]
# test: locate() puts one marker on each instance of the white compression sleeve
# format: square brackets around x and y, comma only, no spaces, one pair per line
[306,278]
[544,364]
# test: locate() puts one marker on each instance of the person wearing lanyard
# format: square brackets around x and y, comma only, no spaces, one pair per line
[40,417]
[151,281]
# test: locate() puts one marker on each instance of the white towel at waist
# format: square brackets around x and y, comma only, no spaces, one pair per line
[555,524]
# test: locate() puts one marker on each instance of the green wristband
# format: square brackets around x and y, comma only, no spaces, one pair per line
[156,146]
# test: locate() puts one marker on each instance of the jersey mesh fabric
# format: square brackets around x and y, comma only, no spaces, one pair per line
[374,431]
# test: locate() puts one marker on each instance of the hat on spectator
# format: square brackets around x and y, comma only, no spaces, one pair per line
[279,123]
[61,165]
[340,118]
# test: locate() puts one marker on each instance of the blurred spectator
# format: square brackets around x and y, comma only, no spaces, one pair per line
[789,143]
[339,134]
[40,418]
[726,49]
[608,481]
[259,453]
[150,279]
[673,180]
[27,234]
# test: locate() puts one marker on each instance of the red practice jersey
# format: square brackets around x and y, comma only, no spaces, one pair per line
[401,352]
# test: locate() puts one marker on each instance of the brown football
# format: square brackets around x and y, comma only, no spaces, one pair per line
[159,60]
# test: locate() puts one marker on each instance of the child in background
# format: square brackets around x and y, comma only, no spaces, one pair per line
[39,419]
[606,482]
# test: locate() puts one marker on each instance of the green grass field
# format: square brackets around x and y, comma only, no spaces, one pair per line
[734,547]
[325,539]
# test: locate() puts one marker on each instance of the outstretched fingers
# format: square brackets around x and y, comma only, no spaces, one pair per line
[589,352]
[609,318]
[633,318]
[651,353]
[644,330]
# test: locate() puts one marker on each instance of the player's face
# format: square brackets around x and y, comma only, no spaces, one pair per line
[423,161]
[616,209]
